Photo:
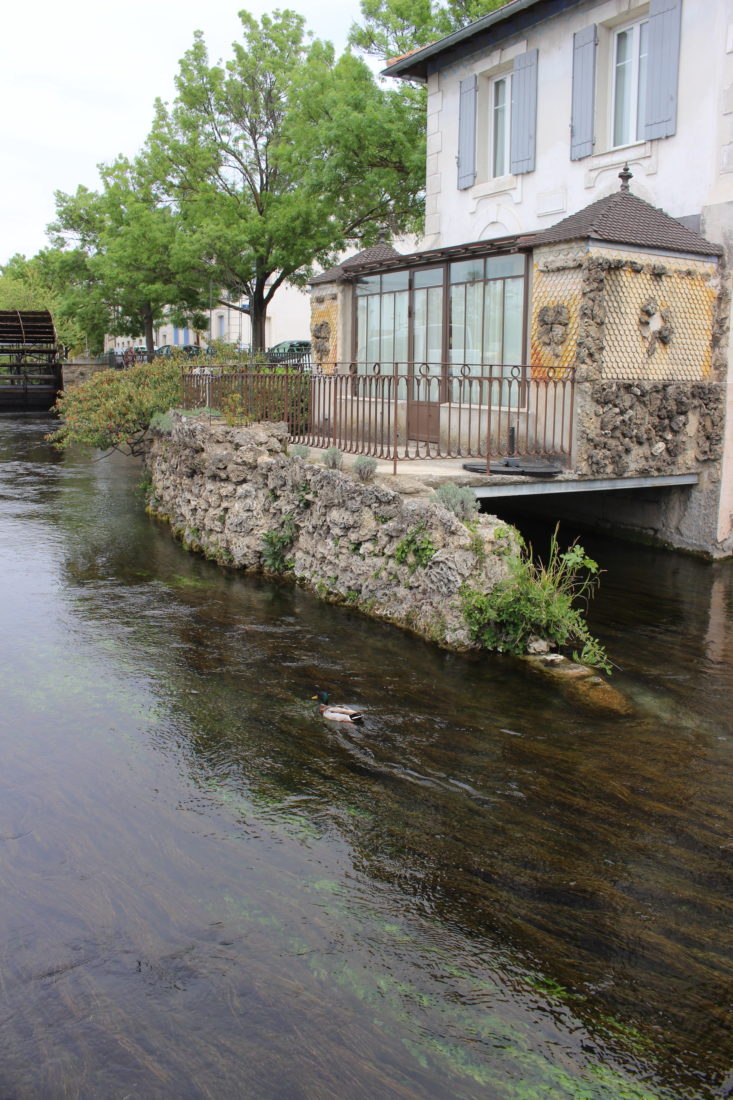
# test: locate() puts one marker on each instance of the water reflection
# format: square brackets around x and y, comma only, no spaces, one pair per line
[482,891]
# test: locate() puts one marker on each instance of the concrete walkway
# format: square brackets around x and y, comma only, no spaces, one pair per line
[416,477]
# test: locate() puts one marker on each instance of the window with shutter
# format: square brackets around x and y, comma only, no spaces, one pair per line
[524,113]
[467,133]
[660,106]
[582,125]
[625,77]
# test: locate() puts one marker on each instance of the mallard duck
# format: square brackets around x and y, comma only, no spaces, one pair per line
[333,713]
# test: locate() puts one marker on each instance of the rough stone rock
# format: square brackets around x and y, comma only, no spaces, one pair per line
[231,492]
[580,683]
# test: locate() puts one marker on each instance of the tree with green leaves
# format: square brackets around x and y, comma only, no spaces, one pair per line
[136,269]
[60,282]
[391,28]
[281,158]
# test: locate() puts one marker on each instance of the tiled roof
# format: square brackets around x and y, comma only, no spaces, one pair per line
[624,218]
[377,254]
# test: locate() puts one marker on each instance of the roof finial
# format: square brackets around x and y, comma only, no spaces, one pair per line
[625,175]
[382,235]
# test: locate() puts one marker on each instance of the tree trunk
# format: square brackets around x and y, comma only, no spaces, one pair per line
[258,315]
[149,334]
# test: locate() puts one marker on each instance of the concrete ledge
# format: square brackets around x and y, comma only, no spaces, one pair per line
[539,487]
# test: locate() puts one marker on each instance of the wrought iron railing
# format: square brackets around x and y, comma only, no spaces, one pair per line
[404,410]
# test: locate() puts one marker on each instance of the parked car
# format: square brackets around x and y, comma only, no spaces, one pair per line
[165,351]
[289,351]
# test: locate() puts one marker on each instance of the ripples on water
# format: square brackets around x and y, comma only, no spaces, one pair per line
[208,892]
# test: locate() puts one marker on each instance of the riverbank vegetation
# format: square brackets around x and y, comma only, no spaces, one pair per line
[539,600]
[113,409]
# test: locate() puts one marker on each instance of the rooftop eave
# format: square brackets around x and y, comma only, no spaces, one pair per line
[513,18]
[497,245]
[532,242]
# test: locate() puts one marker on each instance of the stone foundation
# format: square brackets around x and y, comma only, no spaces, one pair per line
[237,496]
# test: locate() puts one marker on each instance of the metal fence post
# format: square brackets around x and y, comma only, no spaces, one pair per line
[394,421]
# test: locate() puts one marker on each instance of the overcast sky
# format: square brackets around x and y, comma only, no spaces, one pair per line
[78,81]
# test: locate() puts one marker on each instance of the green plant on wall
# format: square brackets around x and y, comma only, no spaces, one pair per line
[234,410]
[415,550]
[333,458]
[275,545]
[365,467]
[539,600]
[459,499]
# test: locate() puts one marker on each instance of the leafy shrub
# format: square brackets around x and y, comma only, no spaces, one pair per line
[333,458]
[415,550]
[113,409]
[539,600]
[275,545]
[234,410]
[365,467]
[299,450]
[459,499]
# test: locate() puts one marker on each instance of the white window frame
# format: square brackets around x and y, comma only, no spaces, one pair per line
[504,78]
[633,123]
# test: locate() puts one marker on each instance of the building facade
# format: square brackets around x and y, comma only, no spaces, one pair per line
[536,259]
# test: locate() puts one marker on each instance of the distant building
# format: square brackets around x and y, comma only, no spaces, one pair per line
[288,318]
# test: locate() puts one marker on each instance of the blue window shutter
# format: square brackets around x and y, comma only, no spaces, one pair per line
[664,58]
[582,112]
[467,133]
[524,113]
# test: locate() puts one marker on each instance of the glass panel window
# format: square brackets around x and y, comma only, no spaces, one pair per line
[513,320]
[369,285]
[500,124]
[420,326]
[486,312]
[629,83]
[473,322]
[387,331]
[401,324]
[373,326]
[361,329]
[432,276]
[499,267]
[457,323]
[467,271]
[435,325]
[395,280]
[494,322]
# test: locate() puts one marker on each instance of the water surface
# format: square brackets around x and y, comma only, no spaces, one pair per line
[485,891]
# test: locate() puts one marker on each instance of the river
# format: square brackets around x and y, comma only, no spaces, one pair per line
[484,891]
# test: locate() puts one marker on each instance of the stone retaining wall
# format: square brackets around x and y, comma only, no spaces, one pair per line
[626,429]
[81,370]
[237,496]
